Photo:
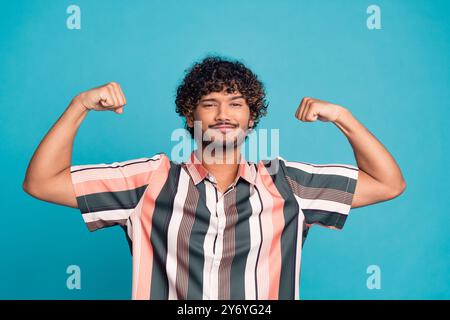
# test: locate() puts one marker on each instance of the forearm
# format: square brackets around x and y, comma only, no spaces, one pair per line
[54,152]
[371,156]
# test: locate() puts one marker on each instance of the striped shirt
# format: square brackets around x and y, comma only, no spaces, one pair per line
[190,241]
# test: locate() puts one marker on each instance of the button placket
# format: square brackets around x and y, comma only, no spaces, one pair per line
[220,225]
[217,254]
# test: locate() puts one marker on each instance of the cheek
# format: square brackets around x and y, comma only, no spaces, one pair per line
[204,117]
[245,118]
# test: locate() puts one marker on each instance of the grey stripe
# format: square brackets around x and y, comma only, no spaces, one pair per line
[183,238]
[242,241]
[98,224]
[160,226]
[127,199]
[316,180]
[323,193]
[196,242]
[231,216]
[325,218]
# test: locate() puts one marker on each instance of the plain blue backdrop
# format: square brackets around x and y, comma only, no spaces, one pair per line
[394,80]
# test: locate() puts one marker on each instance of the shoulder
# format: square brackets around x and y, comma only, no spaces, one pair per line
[136,165]
[321,168]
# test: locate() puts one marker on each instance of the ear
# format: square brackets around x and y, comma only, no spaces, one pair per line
[251,123]
[190,120]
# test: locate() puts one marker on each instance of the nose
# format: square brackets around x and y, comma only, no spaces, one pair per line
[222,114]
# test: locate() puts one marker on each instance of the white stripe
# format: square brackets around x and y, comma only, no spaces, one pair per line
[173,230]
[209,241]
[267,229]
[326,205]
[298,261]
[344,170]
[107,215]
[135,218]
[116,163]
[214,284]
[129,229]
[113,173]
[255,240]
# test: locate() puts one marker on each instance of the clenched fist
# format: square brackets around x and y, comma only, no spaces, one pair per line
[311,109]
[106,97]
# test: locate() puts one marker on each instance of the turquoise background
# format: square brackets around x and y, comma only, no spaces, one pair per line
[394,80]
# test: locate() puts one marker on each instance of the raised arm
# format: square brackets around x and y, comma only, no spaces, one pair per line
[48,173]
[379,177]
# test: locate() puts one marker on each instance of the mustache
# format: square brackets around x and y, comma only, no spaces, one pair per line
[223,124]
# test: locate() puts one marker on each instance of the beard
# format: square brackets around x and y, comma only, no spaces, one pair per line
[218,145]
[225,141]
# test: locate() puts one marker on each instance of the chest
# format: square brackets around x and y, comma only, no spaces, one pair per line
[203,221]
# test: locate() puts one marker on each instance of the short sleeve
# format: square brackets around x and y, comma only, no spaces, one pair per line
[107,193]
[324,191]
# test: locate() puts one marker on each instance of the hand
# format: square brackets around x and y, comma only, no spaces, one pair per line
[106,97]
[311,109]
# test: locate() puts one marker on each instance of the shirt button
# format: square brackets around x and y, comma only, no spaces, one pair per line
[216,263]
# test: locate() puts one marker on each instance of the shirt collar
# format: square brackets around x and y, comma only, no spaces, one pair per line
[198,172]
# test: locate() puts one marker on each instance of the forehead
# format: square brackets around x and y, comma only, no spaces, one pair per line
[223,95]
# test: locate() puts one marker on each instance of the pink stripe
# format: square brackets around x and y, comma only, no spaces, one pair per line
[266,236]
[113,173]
[277,225]
[111,185]
[144,276]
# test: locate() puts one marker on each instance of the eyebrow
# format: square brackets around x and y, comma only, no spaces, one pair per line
[213,99]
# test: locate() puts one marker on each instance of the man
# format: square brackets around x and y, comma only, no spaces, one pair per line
[215,226]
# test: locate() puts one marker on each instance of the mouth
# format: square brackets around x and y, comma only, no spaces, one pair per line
[224,128]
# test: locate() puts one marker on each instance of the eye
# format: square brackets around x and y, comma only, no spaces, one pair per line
[236,104]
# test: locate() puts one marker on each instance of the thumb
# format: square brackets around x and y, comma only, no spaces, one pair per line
[107,102]
[119,110]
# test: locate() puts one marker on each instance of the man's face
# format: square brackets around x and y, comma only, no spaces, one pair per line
[224,118]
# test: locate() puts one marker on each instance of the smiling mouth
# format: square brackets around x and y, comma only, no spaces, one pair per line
[224,128]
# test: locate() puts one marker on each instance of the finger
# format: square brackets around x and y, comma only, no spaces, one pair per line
[106,99]
[312,114]
[119,95]
[313,111]
[302,113]
[297,112]
[119,89]
[113,95]
[120,101]
[300,109]
[119,110]
[307,112]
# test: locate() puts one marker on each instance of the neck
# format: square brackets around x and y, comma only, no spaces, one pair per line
[225,163]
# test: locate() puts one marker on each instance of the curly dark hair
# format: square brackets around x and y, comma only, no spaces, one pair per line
[215,74]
